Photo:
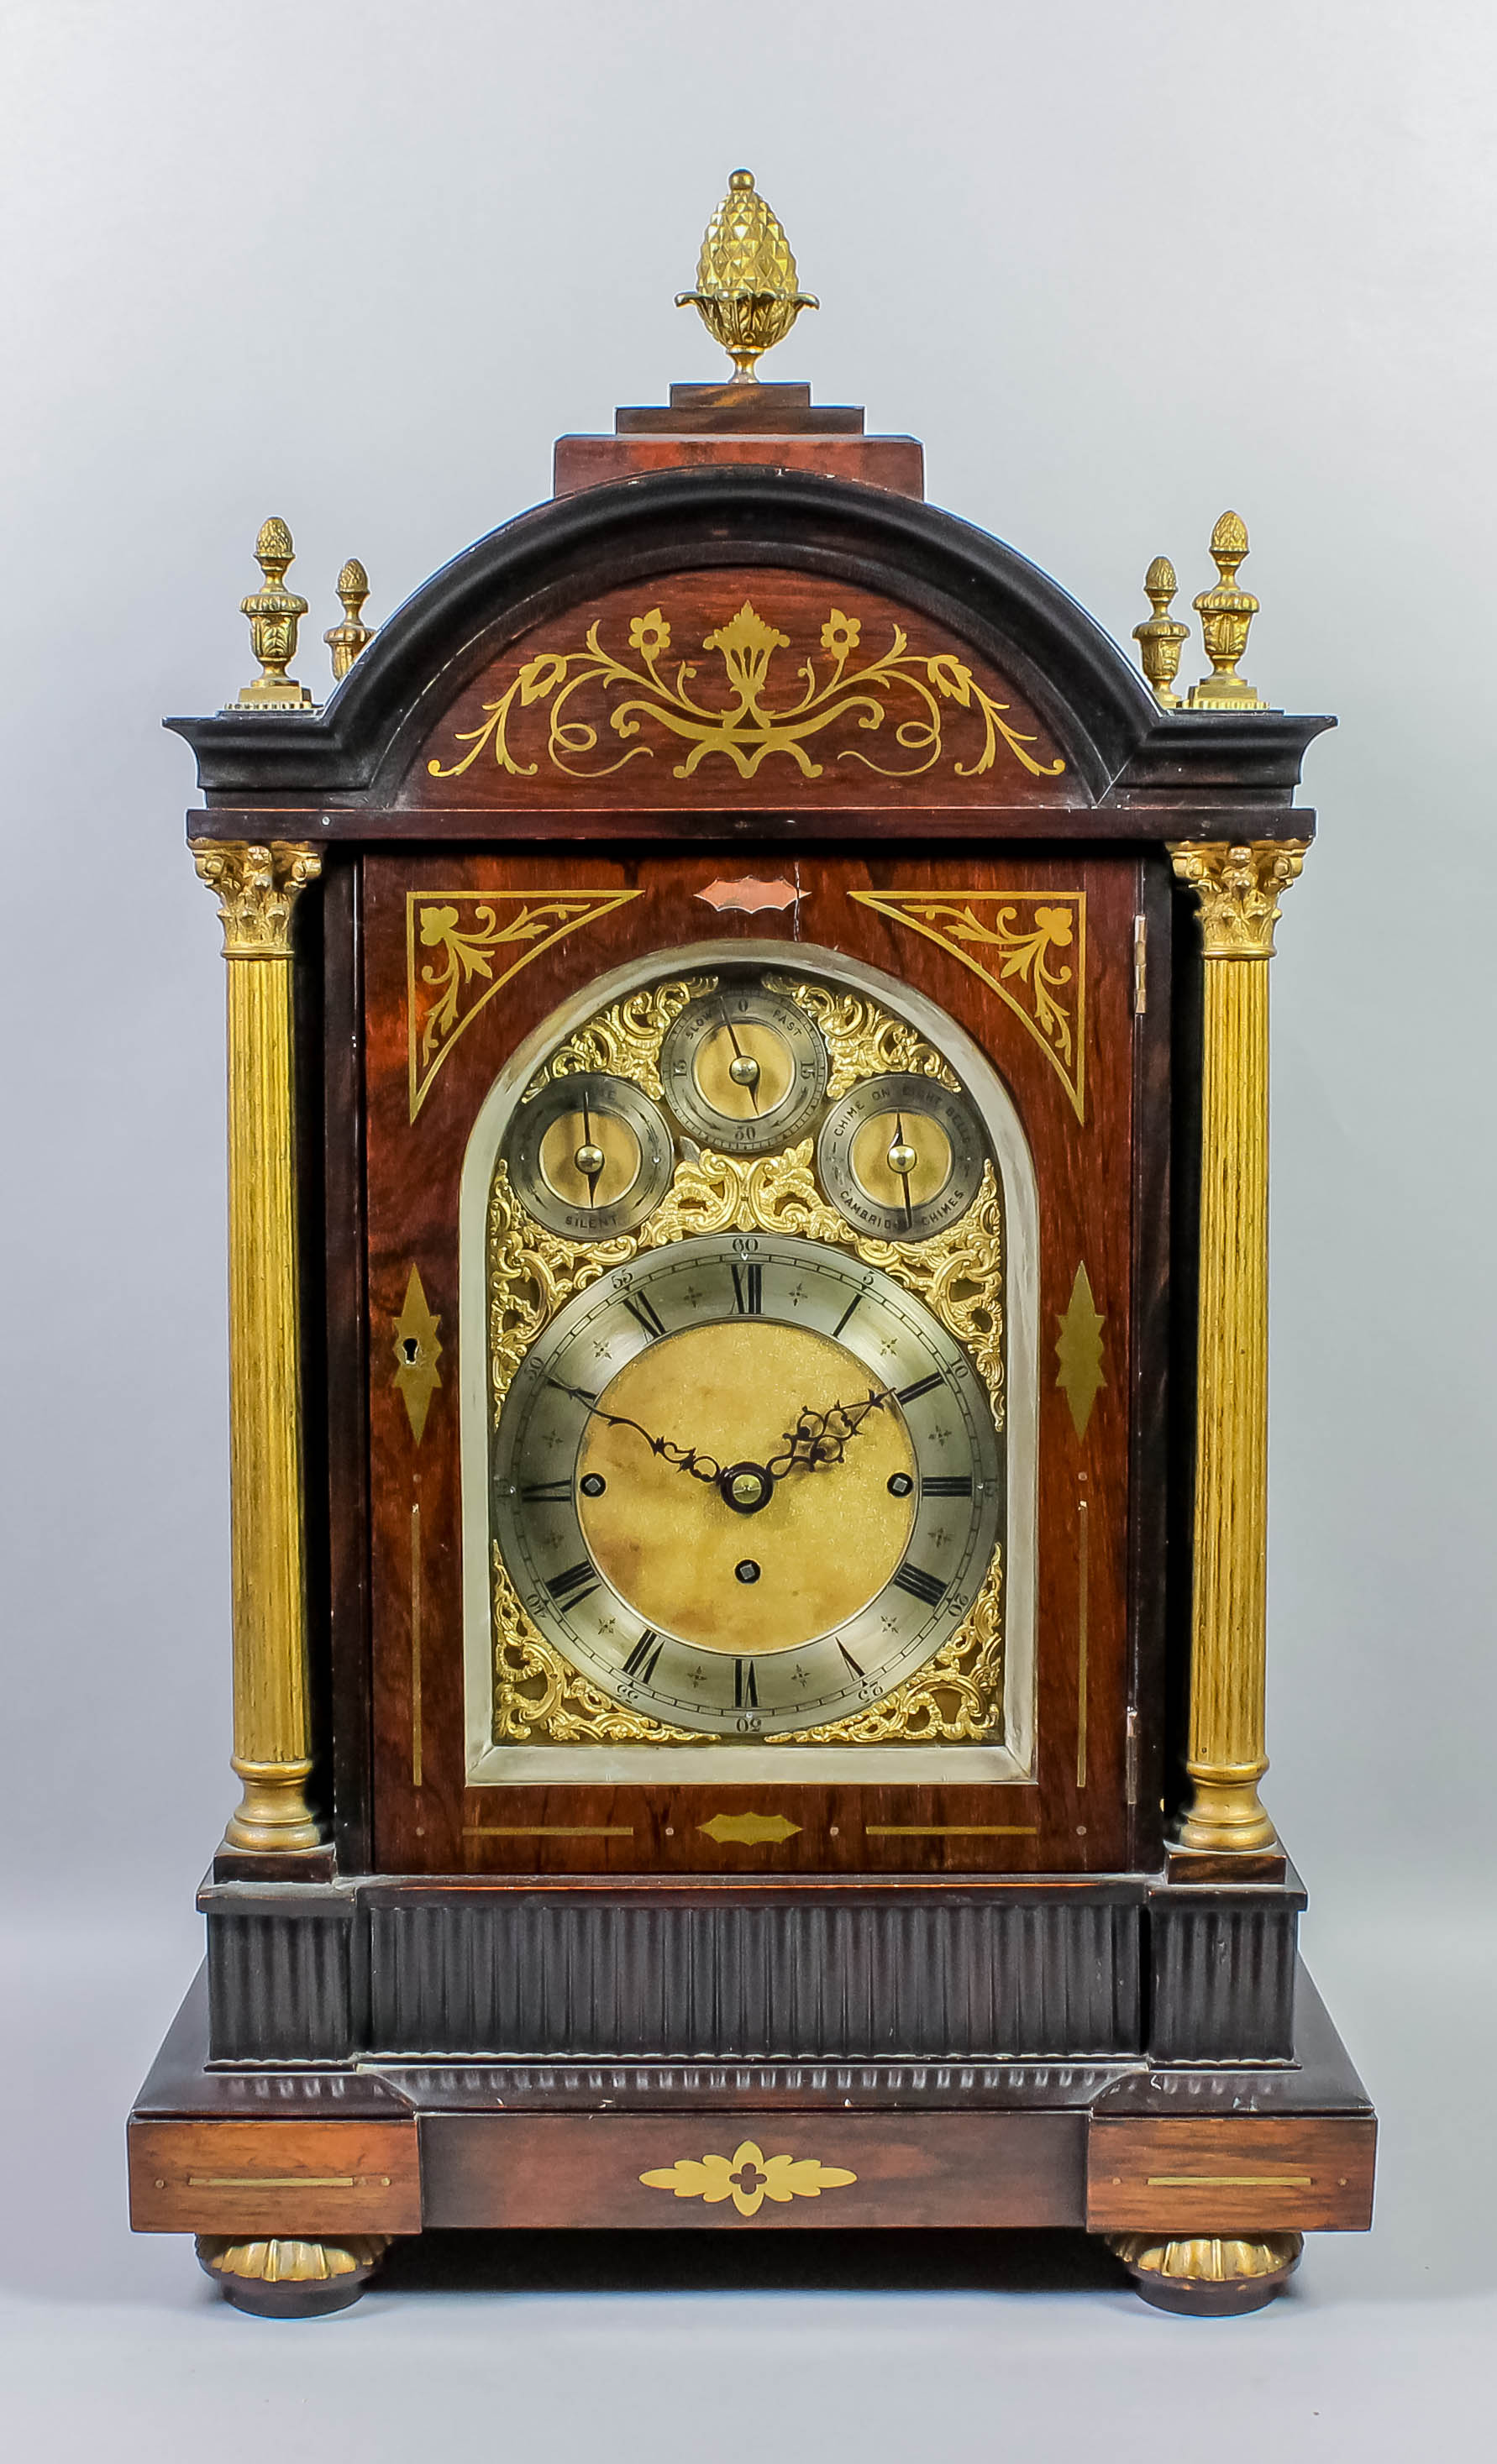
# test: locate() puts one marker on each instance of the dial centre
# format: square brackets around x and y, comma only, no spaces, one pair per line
[670,1545]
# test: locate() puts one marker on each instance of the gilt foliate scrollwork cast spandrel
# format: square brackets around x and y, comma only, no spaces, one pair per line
[275,614]
[256,888]
[1238,889]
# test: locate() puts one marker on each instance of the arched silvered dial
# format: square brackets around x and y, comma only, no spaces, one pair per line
[743,1069]
[746,1484]
[590,1156]
[901,1156]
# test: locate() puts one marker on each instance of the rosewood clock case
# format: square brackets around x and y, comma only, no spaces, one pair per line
[746,715]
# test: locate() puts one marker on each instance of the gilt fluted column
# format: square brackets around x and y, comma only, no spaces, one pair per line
[1237,889]
[256,888]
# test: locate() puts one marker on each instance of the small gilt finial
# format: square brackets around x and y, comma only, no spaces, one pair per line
[346,640]
[1225,614]
[746,294]
[1162,636]
[274,613]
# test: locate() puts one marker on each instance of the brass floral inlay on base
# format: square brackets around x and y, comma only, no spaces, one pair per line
[748,2177]
[478,940]
[651,696]
[1030,946]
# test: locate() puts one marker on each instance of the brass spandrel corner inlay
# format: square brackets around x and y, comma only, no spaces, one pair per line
[417,1352]
[1078,1350]
[750,1830]
[478,939]
[1238,889]
[1162,636]
[836,684]
[256,888]
[1028,946]
[1226,611]
[275,614]
[747,292]
[958,1274]
[352,636]
[748,2177]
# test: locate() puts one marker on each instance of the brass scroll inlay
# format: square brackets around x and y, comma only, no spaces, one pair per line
[760,707]
[478,939]
[256,888]
[1028,946]
[1238,889]
[748,2177]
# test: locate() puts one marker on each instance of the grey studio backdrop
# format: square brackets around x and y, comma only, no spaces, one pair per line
[1120,267]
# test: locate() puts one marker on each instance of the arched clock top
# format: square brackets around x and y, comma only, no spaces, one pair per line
[744,639]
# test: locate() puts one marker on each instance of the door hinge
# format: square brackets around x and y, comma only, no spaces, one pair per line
[1131,1760]
[1140,965]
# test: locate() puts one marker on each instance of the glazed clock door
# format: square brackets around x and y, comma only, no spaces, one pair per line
[750,1345]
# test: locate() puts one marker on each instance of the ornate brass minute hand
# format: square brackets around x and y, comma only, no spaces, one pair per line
[684,1458]
[819,1439]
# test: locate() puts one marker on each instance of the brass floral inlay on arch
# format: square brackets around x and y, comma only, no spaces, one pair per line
[1033,954]
[772,707]
[477,940]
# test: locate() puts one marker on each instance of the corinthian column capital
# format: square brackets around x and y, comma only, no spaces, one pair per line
[1239,888]
[256,888]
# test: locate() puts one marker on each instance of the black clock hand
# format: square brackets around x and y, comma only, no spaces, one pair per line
[682,1458]
[739,1054]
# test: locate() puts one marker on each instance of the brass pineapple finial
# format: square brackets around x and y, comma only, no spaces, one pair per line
[346,640]
[746,294]
[1162,636]
[1225,614]
[274,613]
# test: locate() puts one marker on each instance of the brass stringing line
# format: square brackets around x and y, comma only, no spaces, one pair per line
[415,1647]
[1083,1548]
[958,1275]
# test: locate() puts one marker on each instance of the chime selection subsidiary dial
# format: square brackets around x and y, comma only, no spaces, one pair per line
[591,1157]
[901,1156]
[747,1484]
[743,1069]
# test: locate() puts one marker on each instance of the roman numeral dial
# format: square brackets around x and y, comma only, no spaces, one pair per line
[746,1484]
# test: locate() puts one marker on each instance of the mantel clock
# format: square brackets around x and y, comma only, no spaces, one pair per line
[747,1062]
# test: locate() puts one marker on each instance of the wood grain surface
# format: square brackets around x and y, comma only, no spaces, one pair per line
[1085,1175]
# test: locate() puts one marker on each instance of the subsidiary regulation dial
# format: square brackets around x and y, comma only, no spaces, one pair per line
[743,1069]
[590,1156]
[901,1156]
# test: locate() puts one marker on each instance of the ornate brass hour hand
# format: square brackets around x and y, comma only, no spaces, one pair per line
[684,1458]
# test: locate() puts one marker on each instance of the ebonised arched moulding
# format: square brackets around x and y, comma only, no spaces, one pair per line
[748,1073]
